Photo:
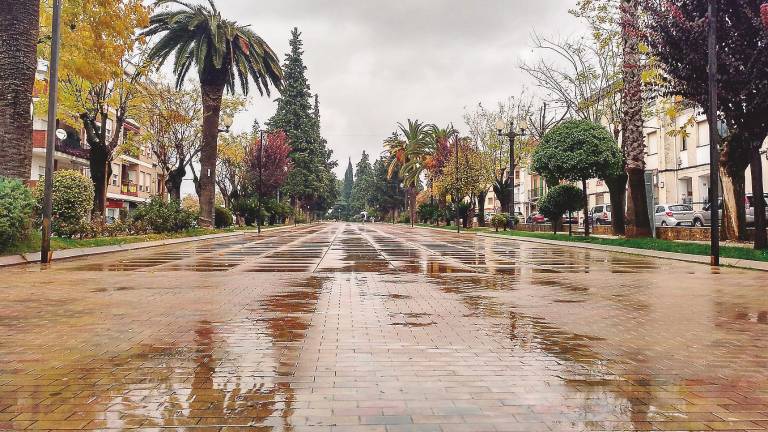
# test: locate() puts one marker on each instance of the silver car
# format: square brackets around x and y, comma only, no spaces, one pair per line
[673,215]
[750,207]
[704,216]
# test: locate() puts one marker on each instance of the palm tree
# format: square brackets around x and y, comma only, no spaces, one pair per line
[18,61]
[637,218]
[225,54]
[411,155]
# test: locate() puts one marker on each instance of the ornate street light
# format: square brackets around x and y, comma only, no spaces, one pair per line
[511,135]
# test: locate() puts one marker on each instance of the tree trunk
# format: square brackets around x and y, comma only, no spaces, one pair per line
[212,95]
[758,200]
[585,202]
[734,213]
[173,182]
[101,170]
[617,188]
[637,220]
[19,24]
[481,208]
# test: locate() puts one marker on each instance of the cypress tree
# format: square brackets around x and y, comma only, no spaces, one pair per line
[311,181]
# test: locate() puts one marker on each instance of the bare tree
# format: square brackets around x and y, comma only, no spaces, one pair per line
[171,123]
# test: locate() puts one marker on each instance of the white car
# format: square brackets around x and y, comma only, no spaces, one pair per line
[673,215]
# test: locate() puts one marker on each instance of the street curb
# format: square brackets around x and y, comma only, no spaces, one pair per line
[34,257]
[697,259]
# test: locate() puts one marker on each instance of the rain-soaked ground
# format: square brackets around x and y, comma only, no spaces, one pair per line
[343,327]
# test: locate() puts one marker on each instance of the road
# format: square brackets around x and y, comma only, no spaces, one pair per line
[349,327]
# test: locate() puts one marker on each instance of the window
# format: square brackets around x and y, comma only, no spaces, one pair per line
[114,180]
[608,208]
[659,209]
[703,134]
[680,208]
[684,146]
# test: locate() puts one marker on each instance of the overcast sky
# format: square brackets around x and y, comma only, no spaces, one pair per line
[378,62]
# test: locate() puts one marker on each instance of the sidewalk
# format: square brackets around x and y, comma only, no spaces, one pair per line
[699,259]
[34,257]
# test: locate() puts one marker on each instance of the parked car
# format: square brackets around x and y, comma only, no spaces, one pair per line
[538,218]
[673,215]
[600,214]
[573,220]
[703,217]
[749,204]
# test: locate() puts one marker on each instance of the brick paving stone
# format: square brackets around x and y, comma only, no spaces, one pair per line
[381,328]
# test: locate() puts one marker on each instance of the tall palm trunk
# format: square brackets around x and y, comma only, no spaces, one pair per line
[637,219]
[19,25]
[212,95]
[617,188]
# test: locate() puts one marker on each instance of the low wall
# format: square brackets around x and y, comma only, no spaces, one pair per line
[692,233]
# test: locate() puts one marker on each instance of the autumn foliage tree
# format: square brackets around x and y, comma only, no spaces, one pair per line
[676,31]
[170,121]
[99,75]
[269,163]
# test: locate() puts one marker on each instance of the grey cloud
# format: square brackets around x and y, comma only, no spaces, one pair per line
[375,63]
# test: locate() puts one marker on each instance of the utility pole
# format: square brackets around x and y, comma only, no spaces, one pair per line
[714,139]
[53,90]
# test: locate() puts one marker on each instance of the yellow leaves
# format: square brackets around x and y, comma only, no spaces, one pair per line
[96,35]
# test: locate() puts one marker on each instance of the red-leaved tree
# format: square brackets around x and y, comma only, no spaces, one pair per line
[268,167]
[676,31]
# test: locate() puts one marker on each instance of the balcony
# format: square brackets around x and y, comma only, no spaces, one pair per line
[130,189]
[536,193]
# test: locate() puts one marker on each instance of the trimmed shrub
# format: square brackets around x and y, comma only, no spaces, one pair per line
[559,200]
[161,217]
[16,207]
[72,202]
[500,220]
[222,217]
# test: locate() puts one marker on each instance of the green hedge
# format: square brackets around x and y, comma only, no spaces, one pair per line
[16,207]
[72,202]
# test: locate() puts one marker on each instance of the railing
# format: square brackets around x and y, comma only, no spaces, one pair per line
[129,189]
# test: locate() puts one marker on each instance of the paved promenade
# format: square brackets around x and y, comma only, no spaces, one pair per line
[349,327]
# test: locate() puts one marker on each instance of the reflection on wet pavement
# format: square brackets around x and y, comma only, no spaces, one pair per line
[338,327]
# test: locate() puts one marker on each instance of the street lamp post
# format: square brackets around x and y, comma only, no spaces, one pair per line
[714,138]
[456,203]
[261,177]
[511,135]
[53,90]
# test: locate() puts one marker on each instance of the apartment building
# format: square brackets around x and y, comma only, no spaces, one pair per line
[136,175]
[679,161]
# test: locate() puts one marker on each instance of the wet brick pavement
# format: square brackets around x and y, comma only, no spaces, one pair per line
[343,327]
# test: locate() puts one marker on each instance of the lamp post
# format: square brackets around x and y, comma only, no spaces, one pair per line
[714,138]
[53,90]
[261,178]
[511,135]
[456,142]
